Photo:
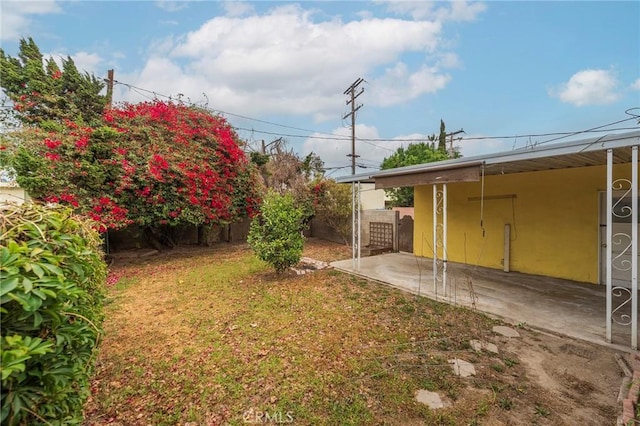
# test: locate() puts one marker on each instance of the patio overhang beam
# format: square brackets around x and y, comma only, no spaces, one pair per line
[448,175]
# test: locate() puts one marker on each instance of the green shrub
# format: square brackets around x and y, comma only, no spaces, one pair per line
[275,234]
[52,277]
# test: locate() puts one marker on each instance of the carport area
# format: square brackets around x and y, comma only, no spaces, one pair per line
[559,306]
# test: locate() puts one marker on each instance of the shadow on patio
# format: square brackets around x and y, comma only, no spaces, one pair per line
[560,306]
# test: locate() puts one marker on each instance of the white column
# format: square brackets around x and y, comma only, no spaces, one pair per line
[359,227]
[634,247]
[444,238]
[435,239]
[609,242]
[353,225]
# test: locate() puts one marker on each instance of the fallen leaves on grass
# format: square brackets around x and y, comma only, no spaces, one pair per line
[211,336]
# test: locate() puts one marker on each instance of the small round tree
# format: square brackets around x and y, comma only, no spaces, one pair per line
[275,234]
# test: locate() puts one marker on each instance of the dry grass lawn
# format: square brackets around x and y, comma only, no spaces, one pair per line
[209,336]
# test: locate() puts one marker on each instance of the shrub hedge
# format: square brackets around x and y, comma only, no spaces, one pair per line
[52,277]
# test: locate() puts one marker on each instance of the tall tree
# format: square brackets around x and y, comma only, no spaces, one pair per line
[413,154]
[442,138]
[42,91]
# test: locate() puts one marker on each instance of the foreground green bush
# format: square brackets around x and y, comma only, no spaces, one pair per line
[52,277]
[275,234]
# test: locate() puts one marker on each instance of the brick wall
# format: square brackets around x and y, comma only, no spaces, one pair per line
[630,403]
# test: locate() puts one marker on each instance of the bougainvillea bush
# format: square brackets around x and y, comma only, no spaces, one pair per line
[152,164]
[52,278]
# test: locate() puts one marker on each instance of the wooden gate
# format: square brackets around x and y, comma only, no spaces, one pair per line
[405,234]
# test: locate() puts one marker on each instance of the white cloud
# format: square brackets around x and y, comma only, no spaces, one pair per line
[84,61]
[636,84]
[88,62]
[458,10]
[171,6]
[333,151]
[470,147]
[465,11]
[15,19]
[589,87]
[398,84]
[289,61]
[449,60]
[238,8]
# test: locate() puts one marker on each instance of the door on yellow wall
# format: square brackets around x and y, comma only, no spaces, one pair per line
[621,231]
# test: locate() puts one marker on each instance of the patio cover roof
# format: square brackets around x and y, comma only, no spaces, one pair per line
[578,153]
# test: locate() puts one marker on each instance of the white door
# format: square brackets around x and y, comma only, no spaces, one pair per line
[621,249]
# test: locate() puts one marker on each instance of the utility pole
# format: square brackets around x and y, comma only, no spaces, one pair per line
[351,92]
[452,134]
[109,87]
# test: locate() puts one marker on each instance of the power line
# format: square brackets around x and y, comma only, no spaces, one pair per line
[264,132]
[156,94]
[588,130]
[367,160]
[331,136]
[472,138]
[368,142]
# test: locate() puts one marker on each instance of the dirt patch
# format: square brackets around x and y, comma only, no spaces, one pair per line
[572,382]
[564,381]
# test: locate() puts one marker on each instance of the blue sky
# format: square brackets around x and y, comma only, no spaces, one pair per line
[496,68]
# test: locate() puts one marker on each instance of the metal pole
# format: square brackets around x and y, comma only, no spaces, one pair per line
[353,225]
[444,238]
[359,226]
[435,239]
[634,247]
[608,264]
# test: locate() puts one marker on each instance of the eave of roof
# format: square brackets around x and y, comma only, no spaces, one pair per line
[578,153]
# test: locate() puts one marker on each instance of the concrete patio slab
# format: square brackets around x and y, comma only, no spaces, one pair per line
[560,306]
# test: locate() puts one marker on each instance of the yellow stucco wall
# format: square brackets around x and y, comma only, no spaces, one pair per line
[554,222]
